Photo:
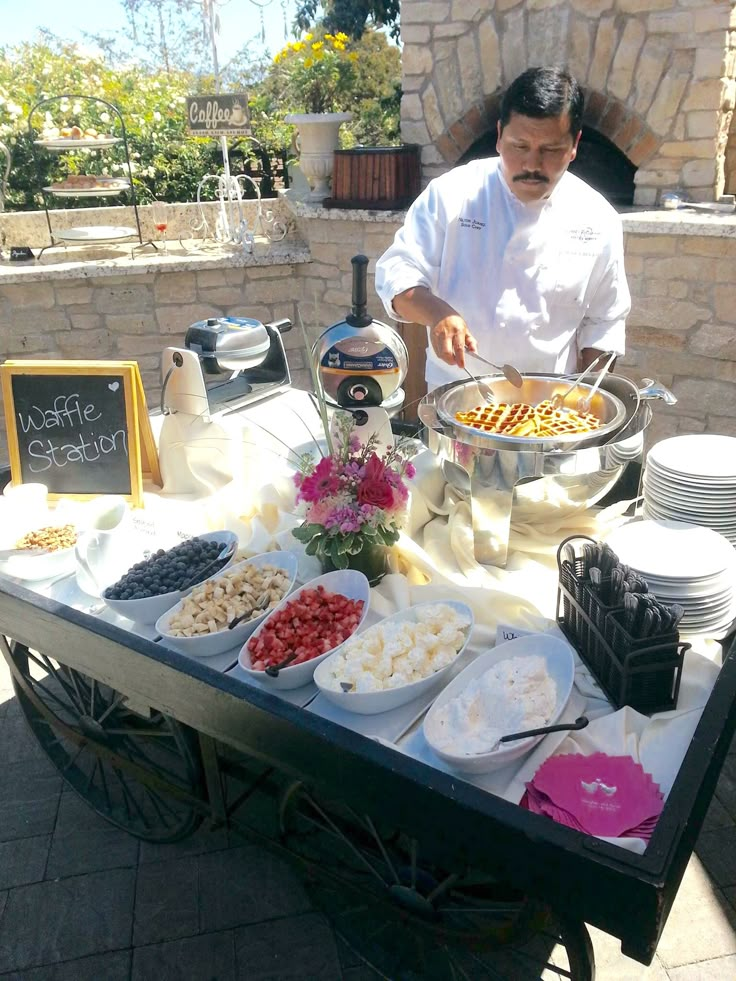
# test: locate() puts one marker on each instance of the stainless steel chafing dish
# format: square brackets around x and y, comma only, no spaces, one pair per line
[531,478]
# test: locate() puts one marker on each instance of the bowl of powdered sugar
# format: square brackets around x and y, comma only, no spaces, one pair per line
[523,684]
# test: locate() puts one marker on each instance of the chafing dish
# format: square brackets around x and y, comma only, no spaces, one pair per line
[528,478]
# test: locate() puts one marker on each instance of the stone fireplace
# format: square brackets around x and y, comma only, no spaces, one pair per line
[659,78]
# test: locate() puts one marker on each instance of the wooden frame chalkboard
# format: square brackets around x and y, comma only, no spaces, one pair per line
[77,426]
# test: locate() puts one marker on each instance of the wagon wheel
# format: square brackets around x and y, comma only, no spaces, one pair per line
[142,773]
[407,918]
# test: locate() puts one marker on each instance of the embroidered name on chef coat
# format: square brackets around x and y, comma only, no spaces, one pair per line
[471,223]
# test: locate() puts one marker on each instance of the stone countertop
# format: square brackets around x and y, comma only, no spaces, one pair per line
[682,221]
[92,262]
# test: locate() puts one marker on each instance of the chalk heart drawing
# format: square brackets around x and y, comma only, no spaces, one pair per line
[114,386]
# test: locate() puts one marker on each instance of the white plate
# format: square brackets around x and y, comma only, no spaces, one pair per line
[560,665]
[108,187]
[95,233]
[375,702]
[671,549]
[702,454]
[83,143]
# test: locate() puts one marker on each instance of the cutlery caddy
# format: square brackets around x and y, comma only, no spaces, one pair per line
[627,640]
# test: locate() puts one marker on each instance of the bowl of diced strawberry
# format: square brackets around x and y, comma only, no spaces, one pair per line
[306,627]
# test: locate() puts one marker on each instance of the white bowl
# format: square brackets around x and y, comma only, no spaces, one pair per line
[31,568]
[561,667]
[207,645]
[373,702]
[346,582]
[148,610]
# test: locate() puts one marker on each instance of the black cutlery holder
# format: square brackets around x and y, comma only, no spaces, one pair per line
[643,673]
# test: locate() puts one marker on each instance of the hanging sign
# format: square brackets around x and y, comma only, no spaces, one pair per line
[80,427]
[218,115]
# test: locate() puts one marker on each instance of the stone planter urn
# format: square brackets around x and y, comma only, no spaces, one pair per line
[317,141]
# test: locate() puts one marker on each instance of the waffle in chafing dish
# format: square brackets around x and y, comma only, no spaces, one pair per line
[522,419]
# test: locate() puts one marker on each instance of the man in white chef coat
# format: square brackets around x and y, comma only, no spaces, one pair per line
[513,256]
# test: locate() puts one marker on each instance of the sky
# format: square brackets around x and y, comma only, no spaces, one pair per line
[240,21]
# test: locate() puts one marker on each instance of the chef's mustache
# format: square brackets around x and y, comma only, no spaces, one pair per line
[531,175]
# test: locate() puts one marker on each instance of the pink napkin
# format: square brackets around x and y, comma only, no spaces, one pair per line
[610,796]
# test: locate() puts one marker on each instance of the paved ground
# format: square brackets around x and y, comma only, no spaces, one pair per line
[82,901]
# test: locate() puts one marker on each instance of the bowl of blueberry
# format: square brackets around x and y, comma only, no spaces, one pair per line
[159,581]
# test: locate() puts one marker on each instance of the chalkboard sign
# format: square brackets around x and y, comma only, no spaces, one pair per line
[218,115]
[76,426]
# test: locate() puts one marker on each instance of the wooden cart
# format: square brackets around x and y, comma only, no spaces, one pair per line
[420,870]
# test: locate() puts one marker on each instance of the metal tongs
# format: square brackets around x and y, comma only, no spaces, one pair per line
[486,392]
[508,371]
[558,398]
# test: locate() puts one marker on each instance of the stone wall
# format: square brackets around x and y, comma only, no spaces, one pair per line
[682,329]
[659,76]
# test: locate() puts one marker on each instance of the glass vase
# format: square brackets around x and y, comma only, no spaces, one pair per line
[372,560]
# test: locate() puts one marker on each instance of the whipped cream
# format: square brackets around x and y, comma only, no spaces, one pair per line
[515,694]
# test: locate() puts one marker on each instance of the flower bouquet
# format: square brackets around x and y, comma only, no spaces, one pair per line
[355,501]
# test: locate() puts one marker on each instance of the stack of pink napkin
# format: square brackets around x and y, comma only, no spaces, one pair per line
[608,796]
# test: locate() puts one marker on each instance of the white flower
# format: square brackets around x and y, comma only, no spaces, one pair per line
[77,108]
[14,109]
[157,116]
[64,105]
[105,117]
[46,70]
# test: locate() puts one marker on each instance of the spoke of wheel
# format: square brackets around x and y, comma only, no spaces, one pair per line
[160,800]
[110,708]
[136,752]
[144,733]
[91,776]
[486,967]
[92,698]
[39,664]
[127,794]
[125,798]
[57,675]
[54,698]
[379,842]
[74,758]
[80,702]
[156,807]
[359,855]
[443,886]
[105,790]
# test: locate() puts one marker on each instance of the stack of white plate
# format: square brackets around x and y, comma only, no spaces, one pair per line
[685,564]
[693,479]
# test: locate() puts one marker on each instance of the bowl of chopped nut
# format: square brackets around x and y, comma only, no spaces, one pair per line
[224,610]
[40,552]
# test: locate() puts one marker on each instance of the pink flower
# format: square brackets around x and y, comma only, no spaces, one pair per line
[375,492]
[375,468]
[320,483]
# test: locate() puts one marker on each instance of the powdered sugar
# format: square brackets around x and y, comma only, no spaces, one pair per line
[513,695]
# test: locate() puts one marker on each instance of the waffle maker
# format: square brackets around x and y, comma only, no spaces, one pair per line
[227,362]
[361,364]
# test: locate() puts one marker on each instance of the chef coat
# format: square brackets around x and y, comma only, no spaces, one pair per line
[535,282]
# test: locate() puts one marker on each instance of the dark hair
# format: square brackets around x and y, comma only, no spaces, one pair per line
[543,93]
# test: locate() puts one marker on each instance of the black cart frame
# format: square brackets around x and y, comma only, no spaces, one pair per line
[587,880]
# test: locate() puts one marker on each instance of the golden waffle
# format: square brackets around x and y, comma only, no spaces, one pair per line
[522,419]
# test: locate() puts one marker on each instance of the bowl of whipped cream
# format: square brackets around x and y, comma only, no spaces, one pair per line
[522,684]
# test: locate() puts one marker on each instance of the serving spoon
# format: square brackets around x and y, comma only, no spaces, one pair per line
[579,723]
[273,669]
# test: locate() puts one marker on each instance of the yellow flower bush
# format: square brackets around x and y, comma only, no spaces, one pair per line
[317,74]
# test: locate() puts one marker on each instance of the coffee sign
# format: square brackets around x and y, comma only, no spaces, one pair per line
[218,115]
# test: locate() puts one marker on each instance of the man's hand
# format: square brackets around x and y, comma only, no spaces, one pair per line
[450,338]
[448,334]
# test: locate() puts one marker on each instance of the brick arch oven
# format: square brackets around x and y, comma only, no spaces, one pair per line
[659,78]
